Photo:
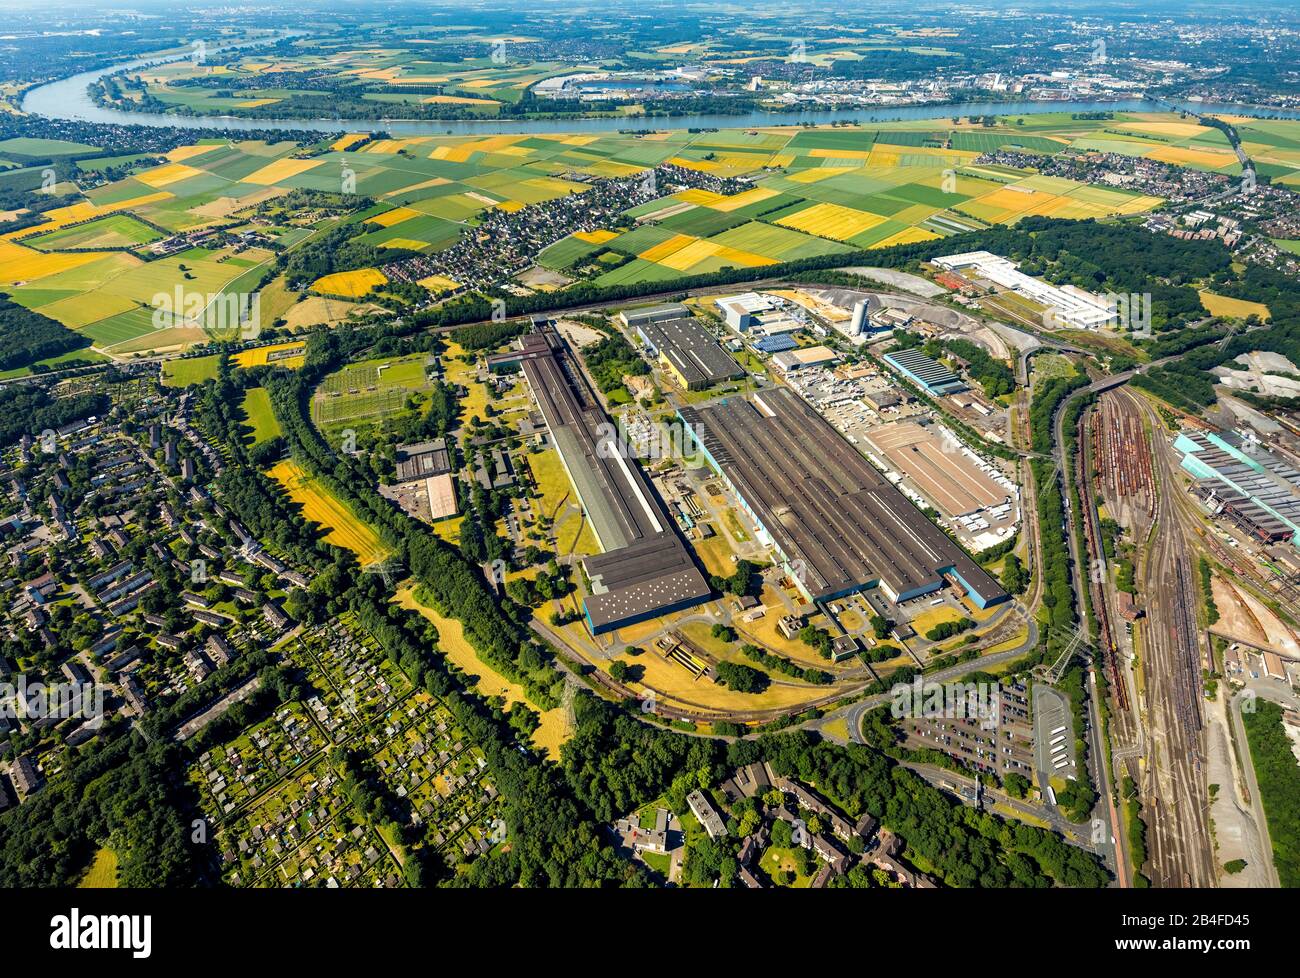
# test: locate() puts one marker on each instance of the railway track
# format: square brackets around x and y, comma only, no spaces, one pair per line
[1181,850]
[1187,646]
[1122,452]
[1099,582]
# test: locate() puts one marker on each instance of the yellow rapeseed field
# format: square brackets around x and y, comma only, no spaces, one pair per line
[816,174]
[321,506]
[348,141]
[595,237]
[1224,305]
[161,176]
[19,264]
[452,154]
[182,153]
[686,258]
[665,248]
[832,221]
[906,236]
[1213,159]
[350,284]
[280,170]
[396,216]
[439,283]
[455,100]
[742,199]
[259,355]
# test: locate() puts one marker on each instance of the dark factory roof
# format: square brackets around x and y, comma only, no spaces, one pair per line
[692,350]
[825,504]
[645,567]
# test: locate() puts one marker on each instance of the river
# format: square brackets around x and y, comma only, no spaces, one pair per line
[69,99]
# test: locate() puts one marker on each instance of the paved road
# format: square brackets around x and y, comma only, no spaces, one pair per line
[1033,812]
[1277,693]
[854,712]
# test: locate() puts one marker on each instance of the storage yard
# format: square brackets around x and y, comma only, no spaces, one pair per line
[1122,456]
[962,486]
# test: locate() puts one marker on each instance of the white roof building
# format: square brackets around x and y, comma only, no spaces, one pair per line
[1067,306]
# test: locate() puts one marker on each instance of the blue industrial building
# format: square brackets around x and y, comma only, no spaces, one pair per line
[775,344]
[932,376]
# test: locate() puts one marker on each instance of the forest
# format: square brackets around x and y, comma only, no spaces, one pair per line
[27,336]
[1279,786]
[26,409]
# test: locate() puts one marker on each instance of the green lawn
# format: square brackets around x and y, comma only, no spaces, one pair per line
[777,861]
[194,370]
[260,418]
[110,231]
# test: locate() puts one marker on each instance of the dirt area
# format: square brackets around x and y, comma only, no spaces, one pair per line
[715,553]
[1235,834]
[554,729]
[225,206]
[411,497]
[675,685]
[578,334]
[1245,618]
[543,279]
[1262,372]
[816,301]
[317,309]
[899,280]
[999,343]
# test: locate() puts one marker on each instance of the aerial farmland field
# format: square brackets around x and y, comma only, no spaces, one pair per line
[319,505]
[806,192]
[370,390]
[260,418]
[191,370]
[111,231]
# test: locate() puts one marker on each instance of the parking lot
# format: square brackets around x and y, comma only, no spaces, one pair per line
[1053,736]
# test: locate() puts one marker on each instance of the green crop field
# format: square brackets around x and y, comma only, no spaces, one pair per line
[259,417]
[566,252]
[122,328]
[193,370]
[24,146]
[113,231]
[814,191]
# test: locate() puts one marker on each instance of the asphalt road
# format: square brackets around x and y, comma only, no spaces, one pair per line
[1283,695]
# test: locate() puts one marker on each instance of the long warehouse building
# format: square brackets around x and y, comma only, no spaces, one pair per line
[838,521]
[688,350]
[645,569]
